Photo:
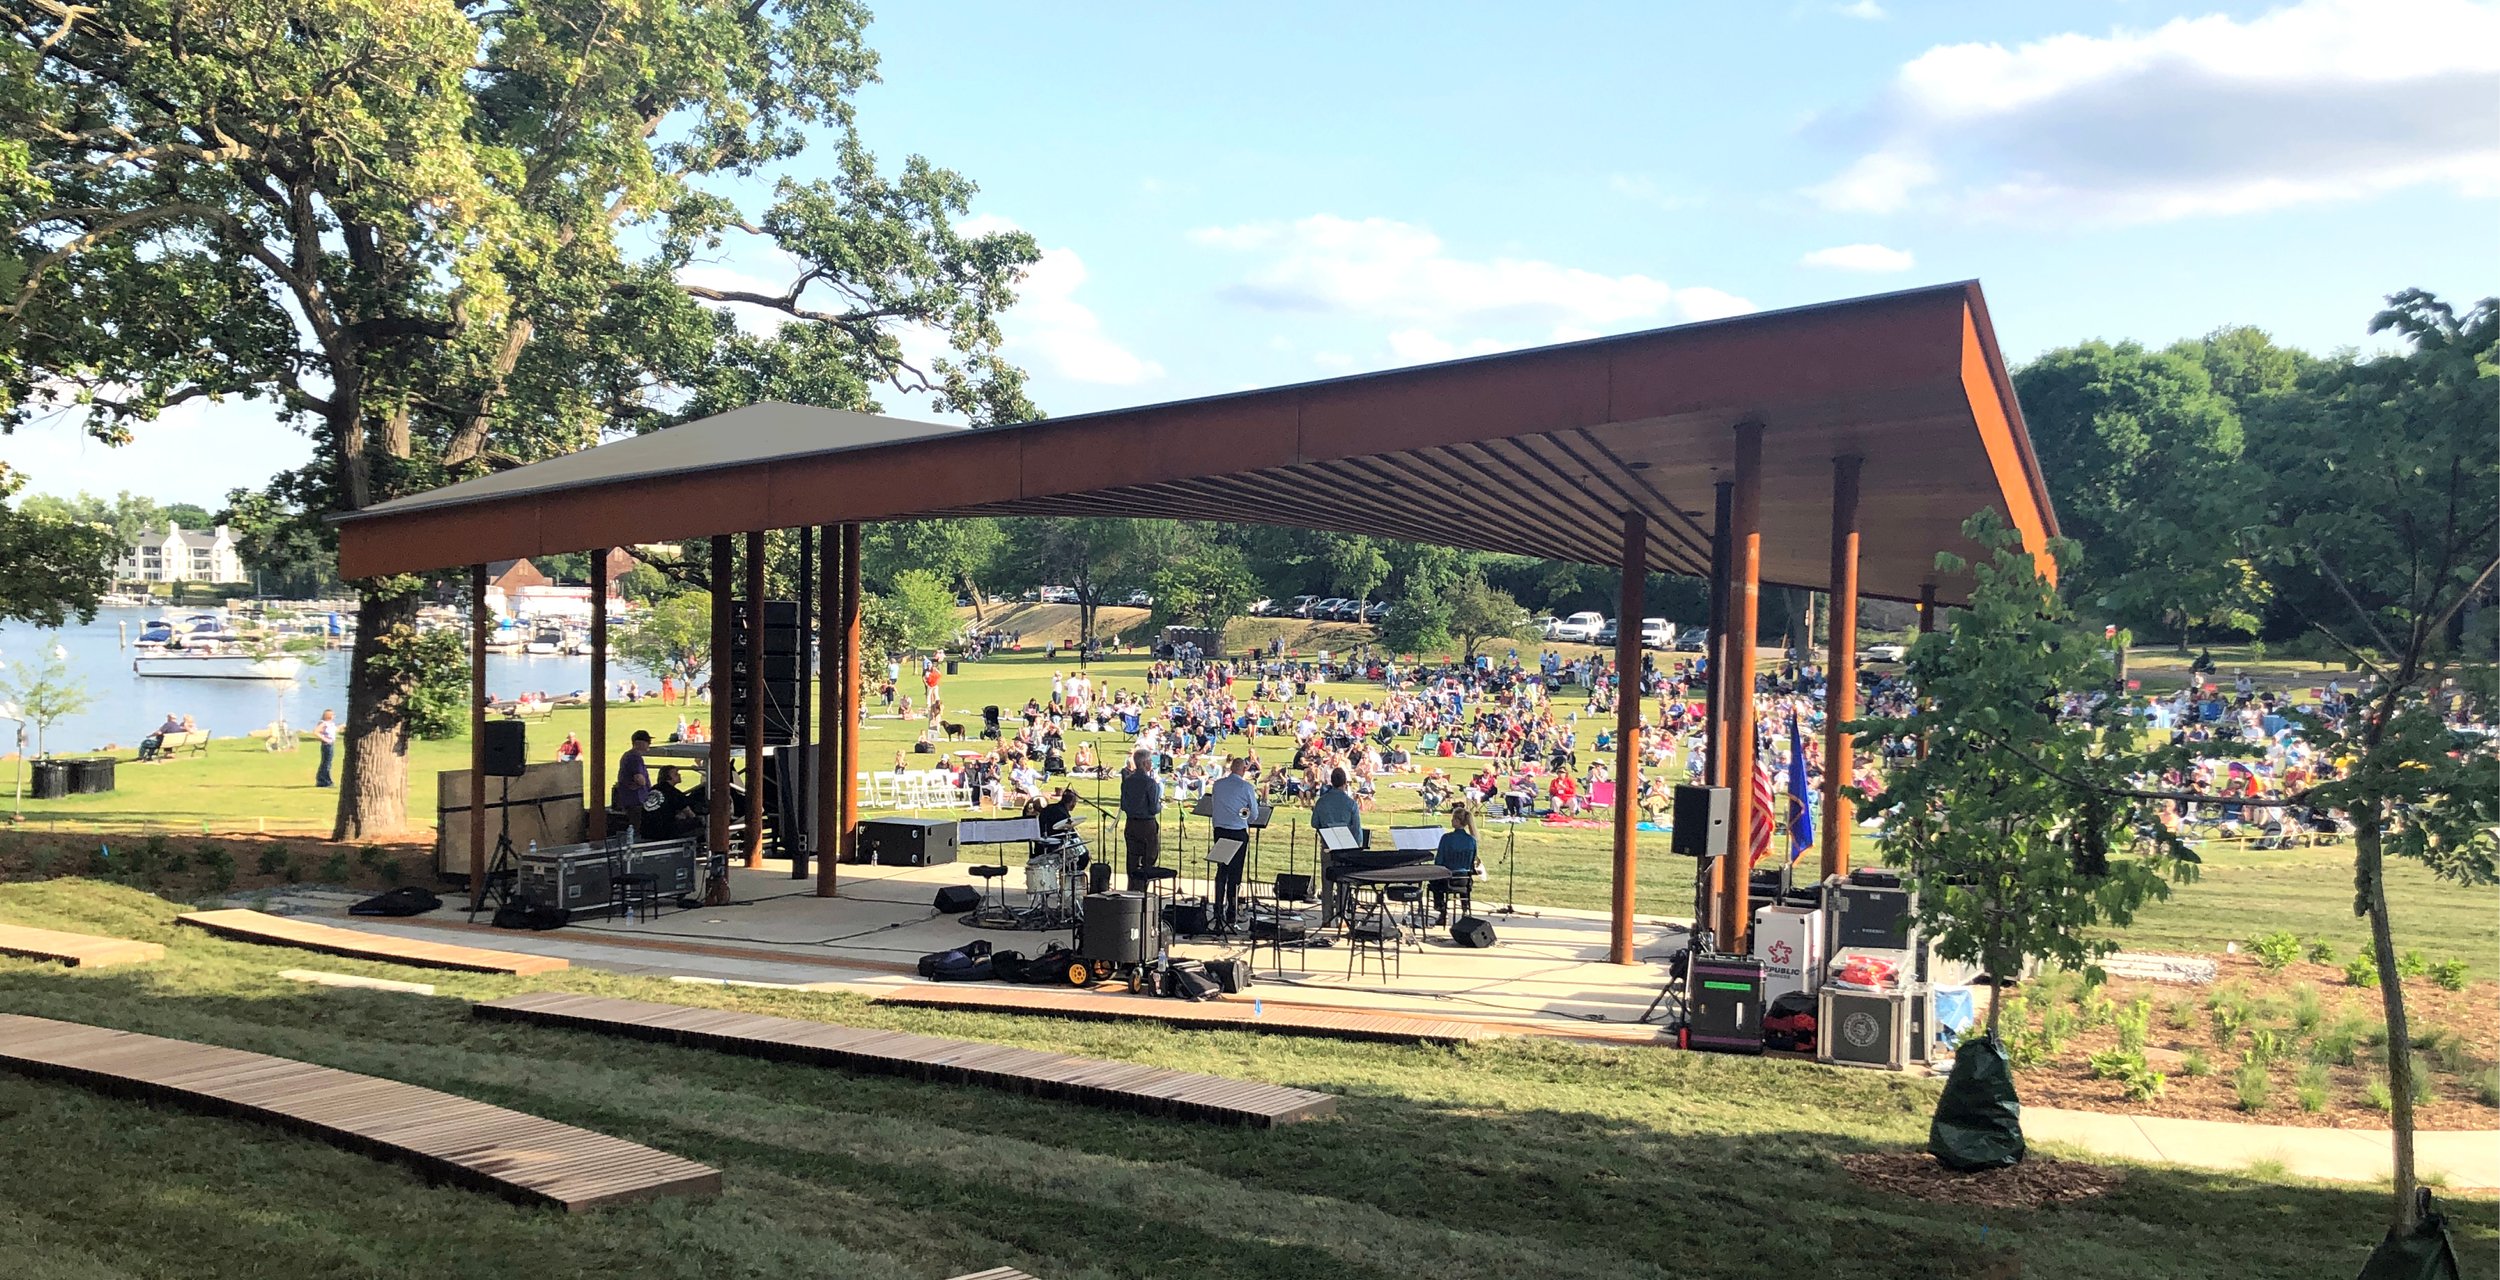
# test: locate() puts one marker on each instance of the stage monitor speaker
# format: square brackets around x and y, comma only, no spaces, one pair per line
[1724,1003]
[1700,822]
[1472,931]
[956,899]
[507,748]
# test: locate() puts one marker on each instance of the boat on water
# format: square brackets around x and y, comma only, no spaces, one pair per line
[209,664]
[546,639]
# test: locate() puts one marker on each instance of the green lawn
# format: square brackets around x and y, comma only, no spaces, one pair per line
[2243,893]
[1507,1159]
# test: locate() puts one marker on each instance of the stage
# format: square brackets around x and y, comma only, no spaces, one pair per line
[1546,974]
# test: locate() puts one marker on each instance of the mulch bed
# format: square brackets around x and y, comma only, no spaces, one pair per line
[2037,1183]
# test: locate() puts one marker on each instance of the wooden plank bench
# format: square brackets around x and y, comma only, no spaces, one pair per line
[77,950]
[1209,1015]
[194,741]
[444,1136]
[288,931]
[1153,1090]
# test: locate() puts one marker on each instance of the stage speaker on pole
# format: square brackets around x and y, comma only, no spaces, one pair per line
[507,748]
[1700,822]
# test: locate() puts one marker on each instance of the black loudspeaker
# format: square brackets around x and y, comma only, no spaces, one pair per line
[1232,975]
[1700,822]
[956,899]
[1188,919]
[1098,877]
[907,842]
[1292,887]
[1115,928]
[1471,931]
[507,748]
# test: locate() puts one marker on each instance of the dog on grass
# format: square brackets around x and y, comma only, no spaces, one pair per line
[954,732]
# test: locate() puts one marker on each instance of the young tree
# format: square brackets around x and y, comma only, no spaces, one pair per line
[1097,557]
[1479,613]
[927,607]
[445,238]
[46,694]
[2383,497]
[1209,587]
[672,638]
[1356,565]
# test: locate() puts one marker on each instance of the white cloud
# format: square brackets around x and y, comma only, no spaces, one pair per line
[1382,269]
[1048,324]
[1865,9]
[2321,100]
[1859,257]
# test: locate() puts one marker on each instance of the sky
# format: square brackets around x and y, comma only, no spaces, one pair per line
[1227,203]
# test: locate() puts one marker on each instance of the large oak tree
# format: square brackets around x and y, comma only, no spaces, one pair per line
[449,235]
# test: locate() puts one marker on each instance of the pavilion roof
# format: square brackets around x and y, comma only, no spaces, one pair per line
[1537,452]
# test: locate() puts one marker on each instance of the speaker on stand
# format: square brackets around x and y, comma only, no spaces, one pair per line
[504,750]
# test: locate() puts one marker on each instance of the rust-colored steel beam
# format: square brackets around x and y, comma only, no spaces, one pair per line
[1745,610]
[847,784]
[1628,732]
[1840,675]
[478,632]
[595,787]
[716,770]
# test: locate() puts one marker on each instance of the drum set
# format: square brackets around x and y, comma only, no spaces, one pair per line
[1055,884]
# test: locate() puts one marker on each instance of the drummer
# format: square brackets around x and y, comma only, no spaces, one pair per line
[1059,814]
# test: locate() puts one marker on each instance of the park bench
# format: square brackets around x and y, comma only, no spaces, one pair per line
[167,747]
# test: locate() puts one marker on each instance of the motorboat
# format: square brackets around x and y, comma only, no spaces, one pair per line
[155,633]
[546,639]
[212,664]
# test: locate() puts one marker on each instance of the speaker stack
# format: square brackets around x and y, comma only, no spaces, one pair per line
[784,672]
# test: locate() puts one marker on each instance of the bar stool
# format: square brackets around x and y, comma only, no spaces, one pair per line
[993,887]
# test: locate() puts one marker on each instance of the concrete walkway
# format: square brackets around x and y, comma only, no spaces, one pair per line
[2467,1159]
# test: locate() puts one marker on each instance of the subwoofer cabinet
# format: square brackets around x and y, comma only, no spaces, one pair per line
[907,842]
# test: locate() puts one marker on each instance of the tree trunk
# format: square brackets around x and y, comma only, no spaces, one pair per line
[373,777]
[2369,869]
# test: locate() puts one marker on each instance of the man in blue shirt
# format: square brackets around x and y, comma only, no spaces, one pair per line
[1231,803]
[1141,803]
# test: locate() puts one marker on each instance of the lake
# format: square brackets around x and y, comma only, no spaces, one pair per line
[127,706]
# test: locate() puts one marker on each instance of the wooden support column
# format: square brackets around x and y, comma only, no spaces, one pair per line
[756,688]
[832,734]
[716,766]
[1628,731]
[478,632]
[1926,608]
[595,786]
[1840,672]
[846,784]
[1714,722]
[1737,722]
[802,783]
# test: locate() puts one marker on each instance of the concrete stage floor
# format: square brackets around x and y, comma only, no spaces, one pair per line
[1546,974]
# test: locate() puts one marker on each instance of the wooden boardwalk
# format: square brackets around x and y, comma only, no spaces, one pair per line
[455,1139]
[288,931]
[1208,1015]
[1154,1090]
[77,950]
[995,1273]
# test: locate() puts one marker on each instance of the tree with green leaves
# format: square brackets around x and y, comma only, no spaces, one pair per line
[959,550]
[51,566]
[448,238]
[2381,510]
[283,554]
[2143,459]
[1480,613]
[46,693]
[1207,587]
[672,638]
[927,607]
[1100,558]
[2006,820]
[1356,565]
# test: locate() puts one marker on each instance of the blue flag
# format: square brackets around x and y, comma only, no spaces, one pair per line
[1800,795]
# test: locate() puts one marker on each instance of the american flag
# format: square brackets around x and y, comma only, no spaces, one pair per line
[1759,835]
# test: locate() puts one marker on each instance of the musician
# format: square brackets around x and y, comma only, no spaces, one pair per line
[1060,813]
[1457,851]
[1335,807]
[1141,803]
[1232,800]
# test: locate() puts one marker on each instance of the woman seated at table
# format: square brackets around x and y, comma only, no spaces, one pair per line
[1457,851]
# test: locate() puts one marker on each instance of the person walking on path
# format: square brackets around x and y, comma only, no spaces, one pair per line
[327,733]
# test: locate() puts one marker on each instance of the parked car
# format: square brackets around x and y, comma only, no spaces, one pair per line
[1059,595]
[1694,640]
[1375,611]
[1328,610]
[1607,633]
[1657,633]
[1262,607]
[1579,628]
[1140,598]
[1883,653]
[1545,625]
[1301,607]
[1350,611]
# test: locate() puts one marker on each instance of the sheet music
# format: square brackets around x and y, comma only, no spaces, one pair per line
[1336,839]
[1224,851]
[1415,839]
[997,830]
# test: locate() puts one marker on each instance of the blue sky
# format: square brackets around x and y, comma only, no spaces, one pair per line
[1229,202]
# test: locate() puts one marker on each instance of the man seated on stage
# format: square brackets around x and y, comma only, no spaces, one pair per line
[1059,814]
[1232,800]
[670,810]
[1457,851]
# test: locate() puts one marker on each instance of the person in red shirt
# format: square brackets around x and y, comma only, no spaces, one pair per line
[1565,793]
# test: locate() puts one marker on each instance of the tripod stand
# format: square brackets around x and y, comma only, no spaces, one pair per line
[1510,870]
[503,871]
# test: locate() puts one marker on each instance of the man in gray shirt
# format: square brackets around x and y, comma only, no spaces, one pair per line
[1335,807]
[1231,802]
[1141,803]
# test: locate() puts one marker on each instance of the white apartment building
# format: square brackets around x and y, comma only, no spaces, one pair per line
[175,554]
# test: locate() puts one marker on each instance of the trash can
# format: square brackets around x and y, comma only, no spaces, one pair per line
[51,780]
[950,666]
[91,777]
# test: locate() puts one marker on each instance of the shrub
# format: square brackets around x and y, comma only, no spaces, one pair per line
[2312,1090]
[334,868]
[219,866]
[2378,1094]
[292,870]
[43,860]
[2449,974]
[2487,1086]
[2056,1023]
[2412,964]
[2228,1019]
[2321,953]
[2335,1046]
[2251,1085]
[2307,1010]
[2440,1045]
[2182,1014]
[2097,1009]
[2134,1076]
[2425,1089]
[2362,972]
[2264,1045]
[2196,1064]
[2135,1026]
[272,861]
[2275,950]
